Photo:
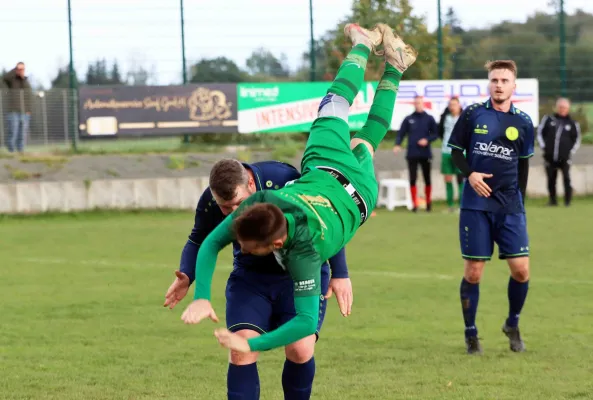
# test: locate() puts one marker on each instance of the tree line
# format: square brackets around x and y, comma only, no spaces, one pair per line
[534,45]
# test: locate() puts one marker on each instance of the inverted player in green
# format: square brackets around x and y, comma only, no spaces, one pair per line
[311,219]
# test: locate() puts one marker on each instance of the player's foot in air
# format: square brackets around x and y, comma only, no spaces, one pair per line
[359,35]
[472,345]
[515,341]
[397,53]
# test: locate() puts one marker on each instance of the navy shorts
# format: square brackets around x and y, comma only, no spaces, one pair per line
[263,302]
[479,230]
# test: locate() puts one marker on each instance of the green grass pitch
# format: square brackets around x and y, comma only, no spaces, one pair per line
[82,316]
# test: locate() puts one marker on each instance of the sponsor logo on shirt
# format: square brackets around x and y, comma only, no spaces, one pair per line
[304,286]
[493,150]
[481,131]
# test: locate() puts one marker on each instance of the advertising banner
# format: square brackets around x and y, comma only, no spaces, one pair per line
[292,107]
[157,110]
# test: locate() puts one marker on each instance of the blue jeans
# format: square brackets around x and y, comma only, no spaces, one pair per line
[18,128]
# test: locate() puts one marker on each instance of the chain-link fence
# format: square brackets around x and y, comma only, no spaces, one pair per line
[37,118]
[118,43]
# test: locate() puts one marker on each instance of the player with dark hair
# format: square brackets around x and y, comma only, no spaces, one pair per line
[498,140]
[259,291]
[318,214]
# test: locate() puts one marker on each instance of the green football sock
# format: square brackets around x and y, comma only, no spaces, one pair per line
[449,188]
[351,73]
[379,119]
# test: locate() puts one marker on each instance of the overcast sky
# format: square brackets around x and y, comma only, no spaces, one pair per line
[147,32]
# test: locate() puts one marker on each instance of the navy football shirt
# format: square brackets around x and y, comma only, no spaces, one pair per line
[493,142]
[269,175]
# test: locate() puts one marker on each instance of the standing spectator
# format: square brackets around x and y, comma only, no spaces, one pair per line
[559,137]
[421,129]
[19,107]
[448,168]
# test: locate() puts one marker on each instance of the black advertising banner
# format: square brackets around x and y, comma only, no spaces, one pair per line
[158,110]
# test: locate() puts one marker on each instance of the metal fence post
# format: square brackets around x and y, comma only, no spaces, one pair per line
[562,50]
[183,58]
[24,134]
[44,117]
[66,120]
[440,41]
[312,55]
[72,84]
[1,120]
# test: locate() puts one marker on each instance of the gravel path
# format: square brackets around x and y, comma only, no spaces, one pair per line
[93,167]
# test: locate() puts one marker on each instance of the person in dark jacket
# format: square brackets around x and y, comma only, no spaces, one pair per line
[559,137]
[19,107]
[421,129]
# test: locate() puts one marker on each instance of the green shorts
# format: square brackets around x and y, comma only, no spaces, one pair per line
[448,166]
[329,146]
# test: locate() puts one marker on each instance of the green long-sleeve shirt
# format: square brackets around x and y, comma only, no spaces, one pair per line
[317,229]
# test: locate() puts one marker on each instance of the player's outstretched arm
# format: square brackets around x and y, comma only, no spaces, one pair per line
[304,268]
[201,308]
[302,325]
[206,218]
[217,240]
[340,284]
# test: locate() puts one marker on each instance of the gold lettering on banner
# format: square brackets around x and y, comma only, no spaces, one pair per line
[209,107]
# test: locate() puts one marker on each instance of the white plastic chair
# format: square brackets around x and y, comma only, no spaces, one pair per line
[394,193]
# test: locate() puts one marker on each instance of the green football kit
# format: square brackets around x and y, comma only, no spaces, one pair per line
[326,206]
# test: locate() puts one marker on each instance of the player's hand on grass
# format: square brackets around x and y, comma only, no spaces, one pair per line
[397,149]
[476,180]
[177,290]
[232,341]
[423,142]
[197,311]
[342,287]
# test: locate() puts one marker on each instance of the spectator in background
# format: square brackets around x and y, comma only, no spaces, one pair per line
[19,107]
[448,168]
[559,137]
[421,129]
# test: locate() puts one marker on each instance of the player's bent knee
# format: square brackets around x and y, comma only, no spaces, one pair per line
[356,141]
[448,178]
[473,270]
[237,358]
[519,268]
[333,105]
[301,351]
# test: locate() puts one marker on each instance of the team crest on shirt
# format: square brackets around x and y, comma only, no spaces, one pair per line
[269,184]
[512,133]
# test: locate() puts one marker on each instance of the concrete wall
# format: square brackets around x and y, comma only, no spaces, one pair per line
[183,193]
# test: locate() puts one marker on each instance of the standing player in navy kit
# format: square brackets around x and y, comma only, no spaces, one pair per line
[259,292]
[422,130]
[498,140]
